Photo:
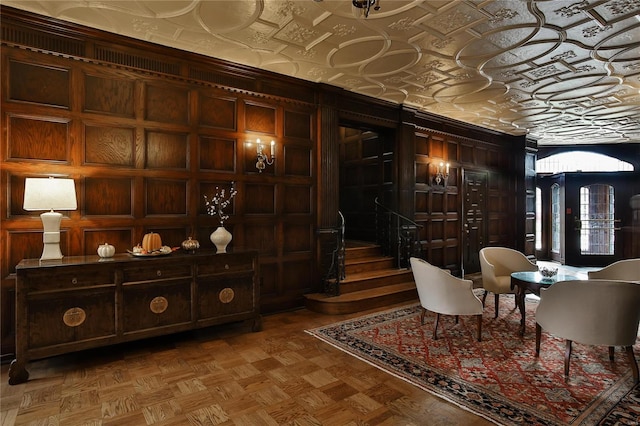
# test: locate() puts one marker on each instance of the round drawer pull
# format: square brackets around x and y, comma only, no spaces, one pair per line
[226,295]
[158,305]
[74,280]
[159,273]
[226,266]
[73,317]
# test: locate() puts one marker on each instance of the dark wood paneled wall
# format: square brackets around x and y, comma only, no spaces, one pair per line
[147,131]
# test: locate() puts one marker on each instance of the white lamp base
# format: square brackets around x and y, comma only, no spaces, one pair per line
[51,236]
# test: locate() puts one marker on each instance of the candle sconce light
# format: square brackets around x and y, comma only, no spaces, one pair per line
[442,175]
[263,159]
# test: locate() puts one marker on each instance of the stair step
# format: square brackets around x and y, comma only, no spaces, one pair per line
[354,266]
[362,300]
[374,279]
[362,251]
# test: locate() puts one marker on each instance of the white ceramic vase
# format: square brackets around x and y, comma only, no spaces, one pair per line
[221,239]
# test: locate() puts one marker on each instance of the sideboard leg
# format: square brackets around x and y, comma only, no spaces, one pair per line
[17,373]
[257,323]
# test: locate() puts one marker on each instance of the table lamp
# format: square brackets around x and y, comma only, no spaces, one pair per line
[50,194]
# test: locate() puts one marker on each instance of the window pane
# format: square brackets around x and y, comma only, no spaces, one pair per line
[576,161]
[538,219]
[597,214]
[555,218]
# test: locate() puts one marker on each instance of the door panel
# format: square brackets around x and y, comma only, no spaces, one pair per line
[474,233]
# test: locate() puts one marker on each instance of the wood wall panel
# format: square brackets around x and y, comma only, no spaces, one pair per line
[436,147]
[121,239]
[38,138]
[421,202]
[269,279]
[422,144]
[298,276]
[107,196]
[296,199]
[41,84]
[480,157]
[219,112]
[260,118]
[111,145]
[466,154]
[422,173]
[166,150]
[112,96]
[263,237]
[165,197]
[262,199]
[298,160]
[27,243]
[217,154]
[297,238]
[15,197]
[166,104]
[297,125]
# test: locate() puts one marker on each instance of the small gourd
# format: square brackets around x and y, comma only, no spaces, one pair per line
[190,245]
[106,250]
[151,242]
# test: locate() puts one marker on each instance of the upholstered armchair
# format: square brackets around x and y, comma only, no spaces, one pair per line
[442,293]
[497,264]
[625,270]
[592,312]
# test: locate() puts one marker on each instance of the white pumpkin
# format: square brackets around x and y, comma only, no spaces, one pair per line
[106,250]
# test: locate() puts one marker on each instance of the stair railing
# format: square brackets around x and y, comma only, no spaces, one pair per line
[336,271]
[397,235]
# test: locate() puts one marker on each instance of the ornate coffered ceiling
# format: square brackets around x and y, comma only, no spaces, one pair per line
[564,72]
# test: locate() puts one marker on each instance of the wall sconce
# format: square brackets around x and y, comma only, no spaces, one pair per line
[442,175]
[50,194]
[262,158]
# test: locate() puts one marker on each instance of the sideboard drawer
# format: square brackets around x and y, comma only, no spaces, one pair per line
[225,264]
[71,316]
[48,279]
[157,304]
[156,271]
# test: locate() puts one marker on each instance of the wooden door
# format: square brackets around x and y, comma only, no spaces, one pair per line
[474,233]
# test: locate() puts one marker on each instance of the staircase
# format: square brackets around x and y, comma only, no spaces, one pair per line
[372,281]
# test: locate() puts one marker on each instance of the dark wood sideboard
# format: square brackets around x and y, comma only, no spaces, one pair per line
[83,302]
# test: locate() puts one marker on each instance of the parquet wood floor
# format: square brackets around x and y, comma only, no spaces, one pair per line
[222,375]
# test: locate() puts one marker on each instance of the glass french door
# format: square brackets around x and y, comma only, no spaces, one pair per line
[597,220]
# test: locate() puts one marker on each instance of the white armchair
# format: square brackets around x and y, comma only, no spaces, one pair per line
[625,270]
[497,264]
[592,312]
[442,293]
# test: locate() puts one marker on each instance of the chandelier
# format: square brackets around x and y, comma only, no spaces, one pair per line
[366,5]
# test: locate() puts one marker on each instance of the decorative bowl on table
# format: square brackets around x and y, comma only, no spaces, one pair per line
[548,274]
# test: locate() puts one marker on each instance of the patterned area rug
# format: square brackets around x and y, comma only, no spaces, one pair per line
[498,378]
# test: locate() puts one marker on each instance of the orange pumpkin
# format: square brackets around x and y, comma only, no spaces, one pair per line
[151,242]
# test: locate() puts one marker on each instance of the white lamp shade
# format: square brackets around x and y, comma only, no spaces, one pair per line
[49,194]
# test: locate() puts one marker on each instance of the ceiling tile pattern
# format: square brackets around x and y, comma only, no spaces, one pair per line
[563,72]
